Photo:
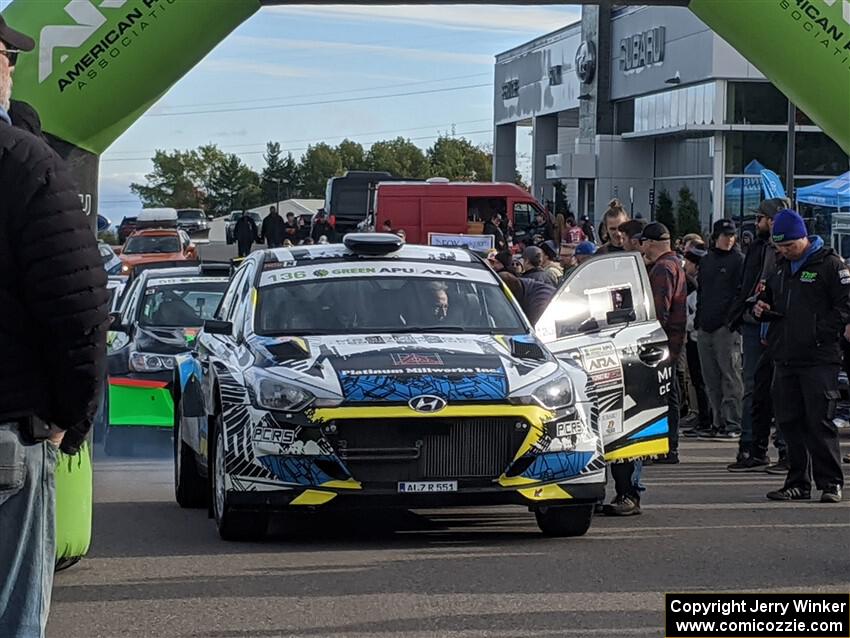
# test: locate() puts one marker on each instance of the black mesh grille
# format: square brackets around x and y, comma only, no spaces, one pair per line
[389,450]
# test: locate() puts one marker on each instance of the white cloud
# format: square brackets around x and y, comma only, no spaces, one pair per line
[516,19]
[353,47]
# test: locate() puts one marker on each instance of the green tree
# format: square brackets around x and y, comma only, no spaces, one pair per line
[320,163]
[280,174]
[234,186]
[173,182]
[664,211]
[458,159]
[688,213]
[181,179]
[351,155]
[400,157]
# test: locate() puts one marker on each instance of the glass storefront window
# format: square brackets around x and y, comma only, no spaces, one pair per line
[818,154]
[755,103]
[625,117]
[742,147]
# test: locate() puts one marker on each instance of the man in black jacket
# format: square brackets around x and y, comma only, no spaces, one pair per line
[52,349]
[245,232]
[758,367]
[273,229]
[807,302]
[322,227]
[719,347]
[493,227]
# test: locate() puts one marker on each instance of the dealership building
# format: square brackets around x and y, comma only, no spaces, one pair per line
[633,101]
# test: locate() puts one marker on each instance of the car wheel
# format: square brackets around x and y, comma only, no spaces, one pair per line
[571,520]
[190,488]
[232,525]
[118,442]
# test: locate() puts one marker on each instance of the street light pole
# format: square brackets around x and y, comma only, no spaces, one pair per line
[792,151]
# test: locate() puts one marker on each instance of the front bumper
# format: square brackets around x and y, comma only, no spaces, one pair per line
[356,457]
[141,400]
[281,500]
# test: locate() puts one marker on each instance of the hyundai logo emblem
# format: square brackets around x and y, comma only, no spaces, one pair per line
[427,403]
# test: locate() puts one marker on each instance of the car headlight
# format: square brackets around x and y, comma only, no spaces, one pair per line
[552,395]
[555,394]
[125,268]
[276,394]
[145,362]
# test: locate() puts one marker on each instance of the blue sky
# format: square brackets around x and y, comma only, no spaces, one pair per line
[307,54]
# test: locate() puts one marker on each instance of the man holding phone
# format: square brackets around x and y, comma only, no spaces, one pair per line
[807,303]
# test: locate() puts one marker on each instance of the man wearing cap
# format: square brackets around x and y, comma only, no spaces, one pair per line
[758,366]
[720,347]
[51,283]
[584,251]
[695,250]
[669,290]
[806,301]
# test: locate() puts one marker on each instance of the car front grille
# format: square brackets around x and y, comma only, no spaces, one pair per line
[390,450]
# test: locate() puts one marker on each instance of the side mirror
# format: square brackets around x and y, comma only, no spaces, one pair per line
[115,324]
[625,315]
[216,327]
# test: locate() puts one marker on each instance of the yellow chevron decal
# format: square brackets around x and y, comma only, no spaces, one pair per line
[550,492]
[313,497]
[639,449]
[349,484]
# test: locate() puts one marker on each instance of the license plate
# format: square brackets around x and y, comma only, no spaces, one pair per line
[427,486]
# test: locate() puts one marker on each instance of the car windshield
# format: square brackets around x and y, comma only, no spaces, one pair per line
[189,214]
[385,304]
[155,244]
[181,305]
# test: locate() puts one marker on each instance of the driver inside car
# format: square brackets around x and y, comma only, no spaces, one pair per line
[173,311]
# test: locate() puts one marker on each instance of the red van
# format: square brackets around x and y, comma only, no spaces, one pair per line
[440,206]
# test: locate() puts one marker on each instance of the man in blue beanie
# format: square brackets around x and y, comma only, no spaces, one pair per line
[807,304]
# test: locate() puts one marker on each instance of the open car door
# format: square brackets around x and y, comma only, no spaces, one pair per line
[603,317]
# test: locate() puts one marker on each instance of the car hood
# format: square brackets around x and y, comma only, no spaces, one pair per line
[149,258]
[396,368]
[165,340]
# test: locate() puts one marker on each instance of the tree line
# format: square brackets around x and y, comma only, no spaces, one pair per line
[218,182]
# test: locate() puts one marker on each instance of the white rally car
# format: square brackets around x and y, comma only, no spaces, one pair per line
[378,374]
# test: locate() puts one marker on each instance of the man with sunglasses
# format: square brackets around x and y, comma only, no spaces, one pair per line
[757,414]
[51,283]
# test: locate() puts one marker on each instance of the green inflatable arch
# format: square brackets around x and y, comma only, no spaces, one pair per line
[101,64]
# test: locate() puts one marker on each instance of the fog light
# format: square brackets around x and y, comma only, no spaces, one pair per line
[520,426]
[330,428]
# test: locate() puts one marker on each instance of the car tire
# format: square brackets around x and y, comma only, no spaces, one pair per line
[190,488]
[118,442]
[564,521]
[232,525]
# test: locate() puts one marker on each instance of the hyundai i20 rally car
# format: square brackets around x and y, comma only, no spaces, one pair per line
[378,374]
[159,317]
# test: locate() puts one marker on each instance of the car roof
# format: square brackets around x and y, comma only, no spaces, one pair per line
[155,232]
[171,273]
[340,251]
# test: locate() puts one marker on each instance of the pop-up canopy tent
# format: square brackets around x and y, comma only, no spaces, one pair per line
[761,183]
[833,193]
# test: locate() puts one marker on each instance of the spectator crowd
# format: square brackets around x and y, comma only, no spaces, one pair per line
[758,332]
